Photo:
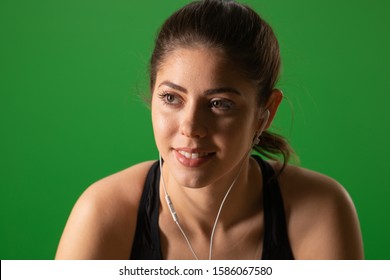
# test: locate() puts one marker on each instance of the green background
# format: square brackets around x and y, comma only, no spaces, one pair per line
[72,73]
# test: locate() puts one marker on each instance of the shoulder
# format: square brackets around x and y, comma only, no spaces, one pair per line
[102,222]
[321,217]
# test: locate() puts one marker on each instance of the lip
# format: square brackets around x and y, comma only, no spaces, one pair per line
[198,157]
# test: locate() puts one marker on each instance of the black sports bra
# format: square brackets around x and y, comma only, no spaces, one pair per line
[276,245]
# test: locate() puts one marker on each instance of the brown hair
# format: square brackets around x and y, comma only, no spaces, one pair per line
[243,36]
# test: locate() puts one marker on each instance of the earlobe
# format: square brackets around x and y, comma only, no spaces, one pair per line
[273,104]
[267,116]
[264,122]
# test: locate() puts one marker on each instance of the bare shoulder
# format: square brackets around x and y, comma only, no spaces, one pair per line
[321,216]
[102,222]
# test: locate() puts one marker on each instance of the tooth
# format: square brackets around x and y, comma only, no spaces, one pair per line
[192,155]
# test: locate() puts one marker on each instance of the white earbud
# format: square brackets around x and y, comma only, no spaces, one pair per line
[265,118]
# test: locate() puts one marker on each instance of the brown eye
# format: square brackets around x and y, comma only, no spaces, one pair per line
[221,104]
[216,103]
[169,99]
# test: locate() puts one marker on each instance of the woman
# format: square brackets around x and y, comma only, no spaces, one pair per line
[212,78]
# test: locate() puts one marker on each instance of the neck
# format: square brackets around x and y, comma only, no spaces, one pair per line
[197,208]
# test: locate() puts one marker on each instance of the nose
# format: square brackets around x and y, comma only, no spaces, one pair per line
[193,122]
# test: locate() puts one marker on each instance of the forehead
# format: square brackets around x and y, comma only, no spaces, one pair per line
[202,67]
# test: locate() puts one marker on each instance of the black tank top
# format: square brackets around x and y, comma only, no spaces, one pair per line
[276,245]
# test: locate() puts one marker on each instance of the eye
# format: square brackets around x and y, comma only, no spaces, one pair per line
[169,98]
[221,104]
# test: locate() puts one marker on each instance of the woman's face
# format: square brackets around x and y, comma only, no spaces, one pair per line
[204,115]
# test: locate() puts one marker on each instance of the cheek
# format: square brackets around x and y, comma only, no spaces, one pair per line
[234,137]
[238,133]
[240,125]
[164,125]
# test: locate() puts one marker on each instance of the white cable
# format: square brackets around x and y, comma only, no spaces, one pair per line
[172,209]
[173,212]
[176,219]
[188,242]
[219,212]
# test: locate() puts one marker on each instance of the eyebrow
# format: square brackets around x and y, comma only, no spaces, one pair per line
[207,92]
[174,86]
[222,90]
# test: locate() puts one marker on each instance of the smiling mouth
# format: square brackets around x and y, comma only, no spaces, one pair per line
[193,155]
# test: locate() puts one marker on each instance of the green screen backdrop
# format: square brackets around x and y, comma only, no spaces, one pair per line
[72,74]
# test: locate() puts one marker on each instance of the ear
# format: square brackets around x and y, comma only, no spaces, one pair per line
[273,104]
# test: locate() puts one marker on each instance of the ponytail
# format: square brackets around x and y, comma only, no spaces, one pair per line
[272,145]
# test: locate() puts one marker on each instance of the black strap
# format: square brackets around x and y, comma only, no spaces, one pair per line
[276,245]
[146,244]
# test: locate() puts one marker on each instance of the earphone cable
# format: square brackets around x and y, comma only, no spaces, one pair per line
[176,219]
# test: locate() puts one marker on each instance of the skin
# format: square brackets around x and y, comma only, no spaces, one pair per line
[201,103]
